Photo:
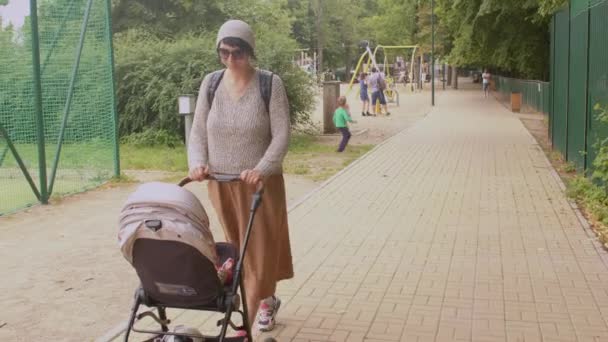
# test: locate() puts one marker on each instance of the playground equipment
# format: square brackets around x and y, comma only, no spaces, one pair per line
[370,60]
[303,60]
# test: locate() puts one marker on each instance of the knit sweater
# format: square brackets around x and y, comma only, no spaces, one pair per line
[238,134]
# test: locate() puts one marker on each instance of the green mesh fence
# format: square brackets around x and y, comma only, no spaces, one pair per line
[535,94]
[57,106]
[579,79]
[559,82]
[598,74]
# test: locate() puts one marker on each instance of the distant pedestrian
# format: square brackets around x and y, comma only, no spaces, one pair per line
[486,76]
[364,95]
[378,84]
[341,119]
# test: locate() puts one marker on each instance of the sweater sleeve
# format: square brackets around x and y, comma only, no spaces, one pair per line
[279,129]
[197,142]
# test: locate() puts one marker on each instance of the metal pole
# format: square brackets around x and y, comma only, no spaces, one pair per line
[56,37]
[433,52]
[11,146]
[44,198]
[68,101]
[188,119]
[115,116]
[443,75]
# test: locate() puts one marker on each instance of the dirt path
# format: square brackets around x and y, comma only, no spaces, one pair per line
[63,277]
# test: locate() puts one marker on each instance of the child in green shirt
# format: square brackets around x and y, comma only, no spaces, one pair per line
[341,119]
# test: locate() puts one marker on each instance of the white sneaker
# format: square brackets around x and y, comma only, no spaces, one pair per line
[267,313]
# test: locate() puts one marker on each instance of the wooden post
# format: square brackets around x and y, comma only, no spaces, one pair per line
[331,92]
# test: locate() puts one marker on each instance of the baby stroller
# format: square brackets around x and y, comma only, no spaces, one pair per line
[165,235]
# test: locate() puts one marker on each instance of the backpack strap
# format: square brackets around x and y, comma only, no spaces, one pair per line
[265,78]
[214,83]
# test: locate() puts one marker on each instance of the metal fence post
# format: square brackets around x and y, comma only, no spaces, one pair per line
[114,110]
[38,101]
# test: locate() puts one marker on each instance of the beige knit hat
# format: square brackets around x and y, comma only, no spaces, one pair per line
[236,29]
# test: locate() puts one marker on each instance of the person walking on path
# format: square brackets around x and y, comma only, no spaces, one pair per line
[341,119]
[236,132]
[378,84]
[486,76]
[364,95]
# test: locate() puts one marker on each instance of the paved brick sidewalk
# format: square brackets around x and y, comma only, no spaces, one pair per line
[455,230]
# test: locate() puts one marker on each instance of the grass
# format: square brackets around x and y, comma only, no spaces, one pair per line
[84,166]
[593,198]
[307,156]
[153,158]
[318,160]
[91,155]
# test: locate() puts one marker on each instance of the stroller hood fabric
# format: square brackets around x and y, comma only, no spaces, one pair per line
[178,212]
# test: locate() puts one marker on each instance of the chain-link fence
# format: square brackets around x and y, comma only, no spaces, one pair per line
[57,105]
[579,79]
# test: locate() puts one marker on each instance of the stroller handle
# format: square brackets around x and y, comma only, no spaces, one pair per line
[222,178]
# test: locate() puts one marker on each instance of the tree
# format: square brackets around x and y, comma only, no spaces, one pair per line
[509,37]
[153,68]
[332,28]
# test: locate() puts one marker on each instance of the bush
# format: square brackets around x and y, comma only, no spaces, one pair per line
[152,137]
[151,73]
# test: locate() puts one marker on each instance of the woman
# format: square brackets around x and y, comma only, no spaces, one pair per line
[236,133]
[363,94]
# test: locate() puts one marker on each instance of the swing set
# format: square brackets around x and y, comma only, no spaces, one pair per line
[368,60]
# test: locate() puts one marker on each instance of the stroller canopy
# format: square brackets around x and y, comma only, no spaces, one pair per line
[164,211]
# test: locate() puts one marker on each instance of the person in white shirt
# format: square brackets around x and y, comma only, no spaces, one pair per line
[486,76]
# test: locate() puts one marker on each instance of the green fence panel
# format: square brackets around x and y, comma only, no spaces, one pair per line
[78,114]
[560,81]
[551,77]
[577,96]
[598,74]
[534,93]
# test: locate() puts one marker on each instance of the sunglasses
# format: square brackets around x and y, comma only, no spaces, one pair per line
[236,54]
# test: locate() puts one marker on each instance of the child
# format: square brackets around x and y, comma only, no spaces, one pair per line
[363,94]
[341,117]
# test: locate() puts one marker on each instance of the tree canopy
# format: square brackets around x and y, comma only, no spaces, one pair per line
[166,46]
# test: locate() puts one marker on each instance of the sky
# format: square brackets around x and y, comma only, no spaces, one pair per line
[15,12]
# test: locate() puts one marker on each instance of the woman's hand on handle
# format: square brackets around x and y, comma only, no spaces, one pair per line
[199,173]
[251,177]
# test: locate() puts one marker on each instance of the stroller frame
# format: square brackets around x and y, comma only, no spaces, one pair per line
[227,303]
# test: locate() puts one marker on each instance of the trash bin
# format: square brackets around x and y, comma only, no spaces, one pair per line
[516,102]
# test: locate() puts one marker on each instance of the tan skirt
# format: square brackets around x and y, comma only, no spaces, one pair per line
[268,257]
